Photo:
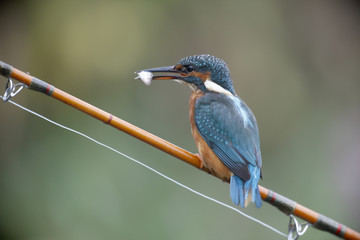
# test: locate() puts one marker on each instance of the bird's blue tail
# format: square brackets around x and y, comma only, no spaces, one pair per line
[239,190]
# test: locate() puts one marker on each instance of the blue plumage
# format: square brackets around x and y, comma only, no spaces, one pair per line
[229,128]
[224,128]
[207,63]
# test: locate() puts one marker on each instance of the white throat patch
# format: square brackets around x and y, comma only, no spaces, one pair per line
[211,86]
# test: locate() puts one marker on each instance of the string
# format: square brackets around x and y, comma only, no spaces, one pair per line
[150,168]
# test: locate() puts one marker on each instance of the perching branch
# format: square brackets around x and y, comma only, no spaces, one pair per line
[284,204]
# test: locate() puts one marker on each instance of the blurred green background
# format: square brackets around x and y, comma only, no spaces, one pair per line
[295,63]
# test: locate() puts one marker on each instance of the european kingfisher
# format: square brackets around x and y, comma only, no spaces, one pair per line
[224,128]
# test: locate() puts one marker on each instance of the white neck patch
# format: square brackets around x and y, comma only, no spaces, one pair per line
[211,86]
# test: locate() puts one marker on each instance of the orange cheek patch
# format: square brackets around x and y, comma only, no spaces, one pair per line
[178,67]
[203,76]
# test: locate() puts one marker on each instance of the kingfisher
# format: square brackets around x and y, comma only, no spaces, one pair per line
[223,126]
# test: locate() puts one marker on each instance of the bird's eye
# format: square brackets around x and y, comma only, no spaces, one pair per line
[187,68]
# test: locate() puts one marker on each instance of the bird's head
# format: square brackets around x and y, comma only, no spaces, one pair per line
[204,72]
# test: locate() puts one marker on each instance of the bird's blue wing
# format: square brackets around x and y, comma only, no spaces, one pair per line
[229,128]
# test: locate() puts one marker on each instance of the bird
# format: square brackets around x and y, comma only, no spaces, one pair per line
[224,128]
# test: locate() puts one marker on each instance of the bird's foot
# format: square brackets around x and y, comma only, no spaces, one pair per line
[201,161]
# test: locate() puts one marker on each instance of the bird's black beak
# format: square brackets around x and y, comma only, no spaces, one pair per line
[164,73]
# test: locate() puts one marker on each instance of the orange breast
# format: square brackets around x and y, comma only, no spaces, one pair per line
[208,157]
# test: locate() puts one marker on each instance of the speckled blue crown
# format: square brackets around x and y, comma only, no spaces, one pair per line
[220,73]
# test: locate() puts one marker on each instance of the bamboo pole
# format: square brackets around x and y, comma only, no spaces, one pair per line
[284,204]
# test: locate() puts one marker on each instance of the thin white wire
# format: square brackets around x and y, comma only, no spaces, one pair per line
[150,168]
